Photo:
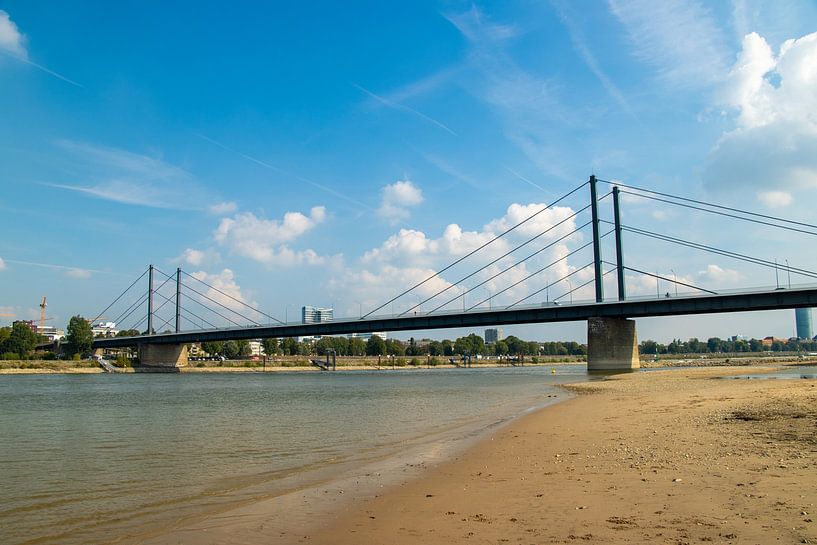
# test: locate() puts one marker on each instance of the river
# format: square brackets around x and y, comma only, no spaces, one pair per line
[89,459]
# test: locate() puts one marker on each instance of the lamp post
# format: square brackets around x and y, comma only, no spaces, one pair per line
[489,298]
[570,290]
[675,280]
[788,272]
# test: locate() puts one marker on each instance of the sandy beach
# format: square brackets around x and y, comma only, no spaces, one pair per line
[652,457]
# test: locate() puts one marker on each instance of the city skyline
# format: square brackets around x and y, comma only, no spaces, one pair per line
[342,162]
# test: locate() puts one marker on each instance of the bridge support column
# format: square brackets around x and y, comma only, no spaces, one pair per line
[162,357]
[612,344]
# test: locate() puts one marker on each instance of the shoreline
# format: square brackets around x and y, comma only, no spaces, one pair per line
[49,368]
[664,457]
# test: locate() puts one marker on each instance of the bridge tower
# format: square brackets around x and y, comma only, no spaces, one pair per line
[612,343]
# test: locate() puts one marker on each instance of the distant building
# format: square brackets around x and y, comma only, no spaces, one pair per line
[314,315]
[256,348]
[492,335]
[802,318]
[104,329]
[51,333]
[366,336]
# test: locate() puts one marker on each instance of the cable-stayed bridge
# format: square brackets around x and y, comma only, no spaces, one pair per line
[180,308]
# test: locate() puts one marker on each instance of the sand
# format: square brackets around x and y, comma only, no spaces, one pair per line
[654,457]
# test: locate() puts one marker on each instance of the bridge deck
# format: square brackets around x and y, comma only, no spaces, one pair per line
[548,312]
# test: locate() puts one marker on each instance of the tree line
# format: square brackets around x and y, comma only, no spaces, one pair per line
[715,345]
[376,346]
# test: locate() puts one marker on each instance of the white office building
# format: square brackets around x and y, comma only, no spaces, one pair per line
[314,315]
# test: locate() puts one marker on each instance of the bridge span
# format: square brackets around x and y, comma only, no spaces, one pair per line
[615,314]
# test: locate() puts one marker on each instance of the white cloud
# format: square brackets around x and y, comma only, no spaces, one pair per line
[397,199]
[197,258]
[410,256]
[78,273]
[223,208]
[11,39]
[132,178]
[226,291]
[680,38]
[2,264]
[775,199]
[265,240]
[719,277]
[774,143]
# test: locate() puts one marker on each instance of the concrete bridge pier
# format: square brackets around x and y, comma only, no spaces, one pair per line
[612,344]
[160,358]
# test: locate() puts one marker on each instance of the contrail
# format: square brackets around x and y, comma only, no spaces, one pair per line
[537,186]
[51,266]
[398,106]
[41,67]
[284,172]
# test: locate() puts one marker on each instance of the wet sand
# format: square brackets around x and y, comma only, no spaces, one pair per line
[652,457]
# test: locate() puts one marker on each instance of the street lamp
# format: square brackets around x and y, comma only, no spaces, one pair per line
[675,279]
[489,297]
[570,287]
[788,272]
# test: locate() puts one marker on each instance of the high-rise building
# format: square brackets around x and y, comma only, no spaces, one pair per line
[802,317]
[313,315]
[493,335]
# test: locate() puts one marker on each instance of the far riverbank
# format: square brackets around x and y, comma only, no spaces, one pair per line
[303,364]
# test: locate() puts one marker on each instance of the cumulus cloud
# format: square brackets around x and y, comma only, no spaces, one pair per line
[774,143]
[223,208]
[409,256]
[197,258]
[265,240]
[397,199]
[717,276]
[226,291]
[11,39]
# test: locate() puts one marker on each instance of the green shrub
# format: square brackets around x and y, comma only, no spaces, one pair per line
[414,361]
[201,364]
[10,356]
[76,357]
[400,362]
[434,361]
[534,359]
[122,361]
[48,356]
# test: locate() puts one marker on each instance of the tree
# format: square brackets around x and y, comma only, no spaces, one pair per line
[128,333]
[213,348]
[289,347]
[78,335]
[375,346]
[395,347]
[501,348]
[231,350]
[270,346]
[21,340]
[357,347]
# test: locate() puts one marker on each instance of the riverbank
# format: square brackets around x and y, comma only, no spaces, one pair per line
[302,364]
[663,457]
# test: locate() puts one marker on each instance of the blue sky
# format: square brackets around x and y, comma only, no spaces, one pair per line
[326,155]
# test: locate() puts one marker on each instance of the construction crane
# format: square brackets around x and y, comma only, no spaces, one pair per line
[42,314]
